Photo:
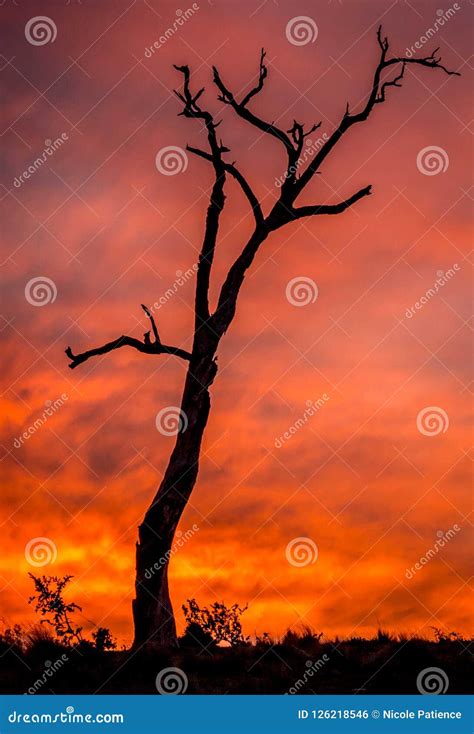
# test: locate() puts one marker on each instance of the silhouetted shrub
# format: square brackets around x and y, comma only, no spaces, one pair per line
[196,636]
[103,639]
[441,636]
[51,605]
[220,622]
[13,637]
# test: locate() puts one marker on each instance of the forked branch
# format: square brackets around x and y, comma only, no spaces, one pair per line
[376,96]
[227,97]
[284,210]
[241,180]
[292,139]
[146,346]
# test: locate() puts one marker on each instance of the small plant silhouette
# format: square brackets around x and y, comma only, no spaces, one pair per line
[51,605]
[13,637]
[218,622]
[103,640]
[442,636]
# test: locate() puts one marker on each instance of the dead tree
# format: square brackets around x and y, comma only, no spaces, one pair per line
[152,611]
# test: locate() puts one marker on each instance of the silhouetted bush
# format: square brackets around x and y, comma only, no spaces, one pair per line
[218,621]
[57,613]
[103,639]
[50,604]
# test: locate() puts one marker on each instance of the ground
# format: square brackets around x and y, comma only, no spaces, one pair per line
[300,663]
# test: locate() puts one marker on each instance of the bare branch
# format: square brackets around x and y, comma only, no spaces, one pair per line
[262,75]
[125,341]
[192,109]
[217,198]
[240,108]
[308,211]
[146,346]
[377,95]
[292,140]
[239,177]
[298,135]
[392,83]
[429,61]
[153,325]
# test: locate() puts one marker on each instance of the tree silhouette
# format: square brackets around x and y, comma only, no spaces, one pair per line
[152,611]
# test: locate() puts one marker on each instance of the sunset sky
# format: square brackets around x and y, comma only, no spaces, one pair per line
[359,479]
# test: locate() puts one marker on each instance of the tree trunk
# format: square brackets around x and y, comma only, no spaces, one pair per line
[152,610]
